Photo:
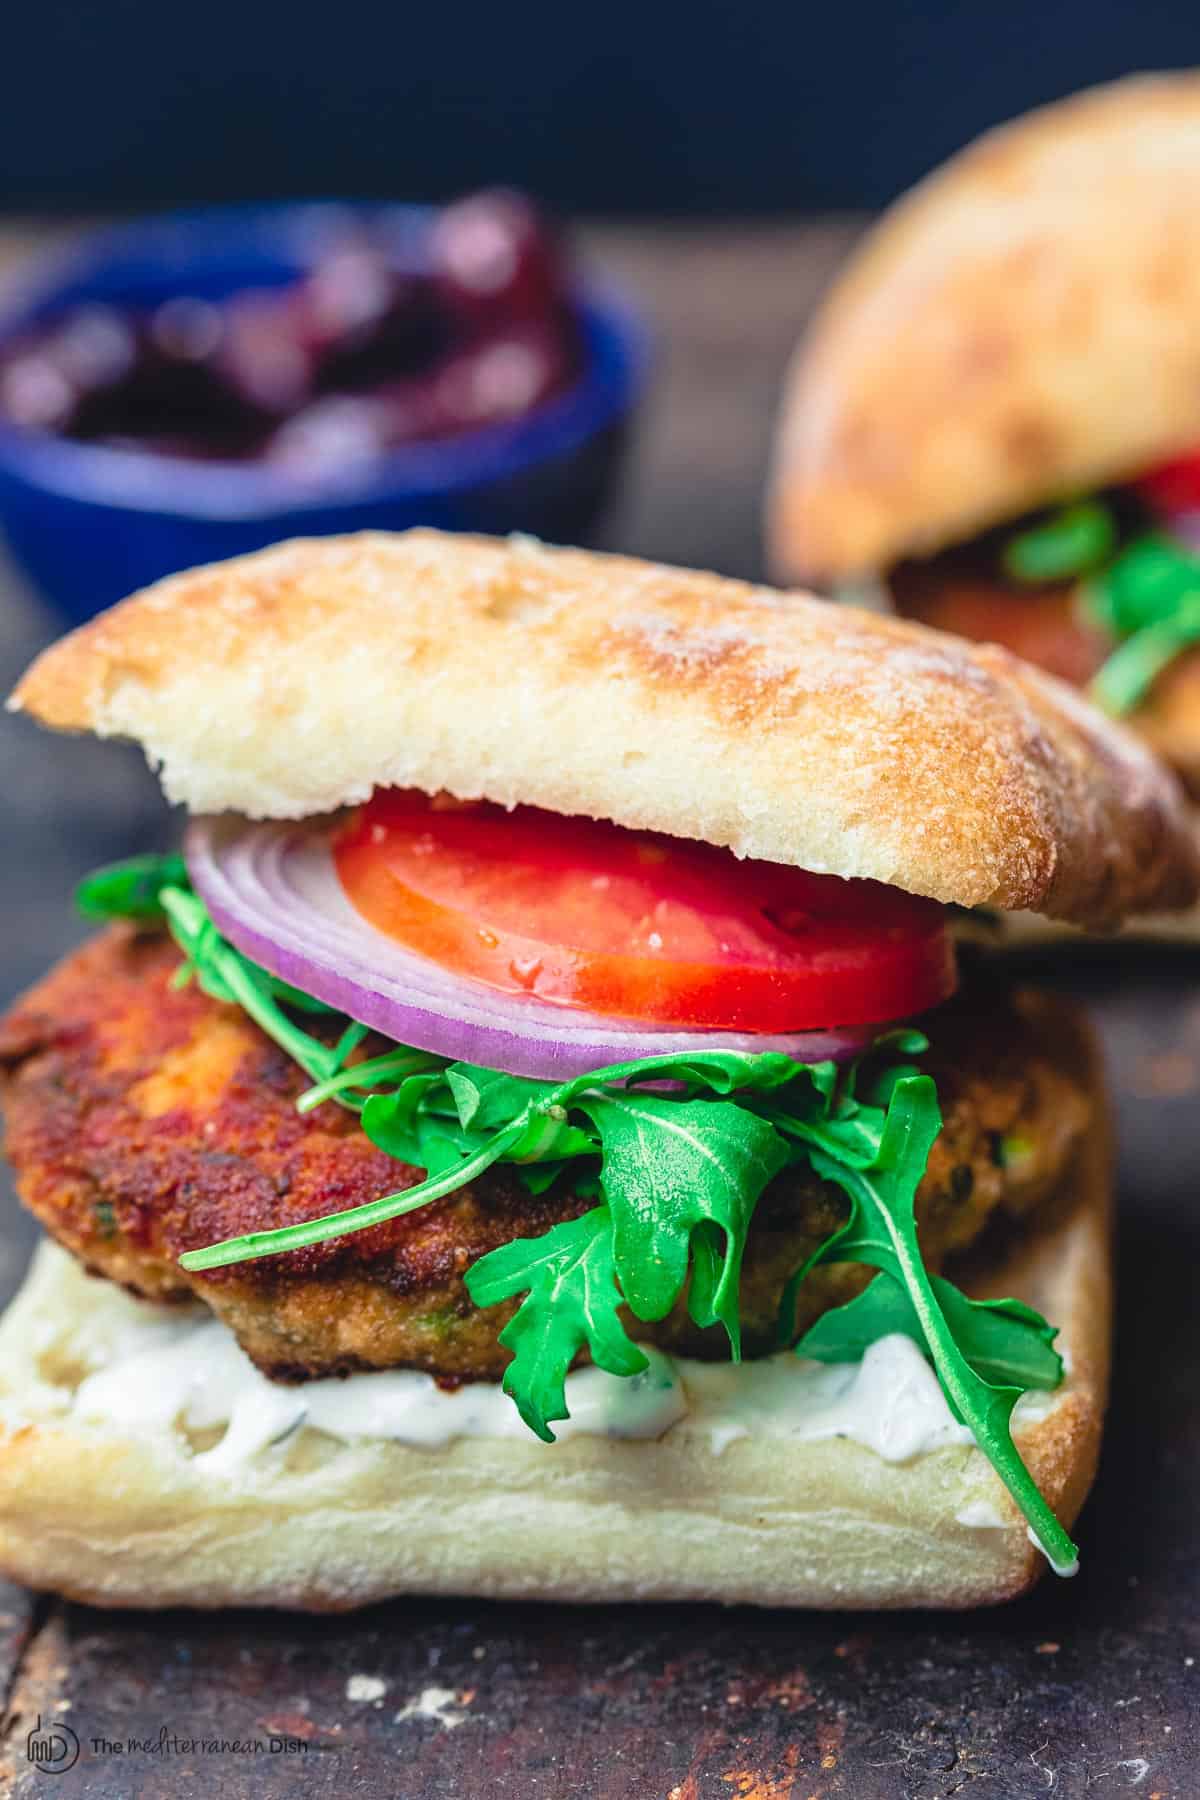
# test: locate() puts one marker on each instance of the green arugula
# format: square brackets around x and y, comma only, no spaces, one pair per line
[671,1168]
[1004,1341]
[678,1150]
[1131,671]
[1144,595]
[882,1232]
[573,1302]
[131,889]
[1069,543]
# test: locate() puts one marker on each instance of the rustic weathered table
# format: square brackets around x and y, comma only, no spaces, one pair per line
[1085,1687]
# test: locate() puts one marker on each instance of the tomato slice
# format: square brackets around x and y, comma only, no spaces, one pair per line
[1174,486]
[635,925]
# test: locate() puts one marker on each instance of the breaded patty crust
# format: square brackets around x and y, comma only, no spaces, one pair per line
[144,1120]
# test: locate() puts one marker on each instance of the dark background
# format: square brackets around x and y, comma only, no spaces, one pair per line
[714,107]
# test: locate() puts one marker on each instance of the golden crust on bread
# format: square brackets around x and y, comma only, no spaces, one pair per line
[296,680]
[122,1519]
[1020,326]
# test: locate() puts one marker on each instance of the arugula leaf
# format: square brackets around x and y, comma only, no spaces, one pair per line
[487,1098]
[835,1117]
[712,1280]
[1124,681]
[448,1106]
[352,1086]
[1148,599]
[1069,543]
[1144,595]
[1004,1341]
[717,1071]
[539,1178]
[882,1232]
[400,1124]
[572,1300]
[669,1167]
[549,1138]
[130,889]
[1143,585]
[905,1040]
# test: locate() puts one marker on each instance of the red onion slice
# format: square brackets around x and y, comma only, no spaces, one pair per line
[274,892]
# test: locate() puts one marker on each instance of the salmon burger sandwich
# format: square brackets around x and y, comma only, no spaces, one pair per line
[536,1138]
[993,425]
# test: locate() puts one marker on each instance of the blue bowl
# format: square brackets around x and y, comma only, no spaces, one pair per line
[90,523]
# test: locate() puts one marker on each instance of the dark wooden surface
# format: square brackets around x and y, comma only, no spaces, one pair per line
[1086,1687]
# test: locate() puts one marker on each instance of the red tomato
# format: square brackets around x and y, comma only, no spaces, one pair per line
[1174,486]
[638,926]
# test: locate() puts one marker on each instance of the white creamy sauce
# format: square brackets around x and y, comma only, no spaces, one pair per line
[160,1370]
[203,1380]
[890,1401]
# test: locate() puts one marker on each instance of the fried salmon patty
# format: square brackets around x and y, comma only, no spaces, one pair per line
[145,1120]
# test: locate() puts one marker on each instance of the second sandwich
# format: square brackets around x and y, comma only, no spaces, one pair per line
[994,424]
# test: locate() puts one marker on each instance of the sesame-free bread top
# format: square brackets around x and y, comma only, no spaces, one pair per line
[1022,325]
[294,681]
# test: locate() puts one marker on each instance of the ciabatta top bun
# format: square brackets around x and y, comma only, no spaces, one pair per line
[1025,324]
[296,680]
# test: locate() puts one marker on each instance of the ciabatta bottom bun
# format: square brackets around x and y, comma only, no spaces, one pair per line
[127,1478]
